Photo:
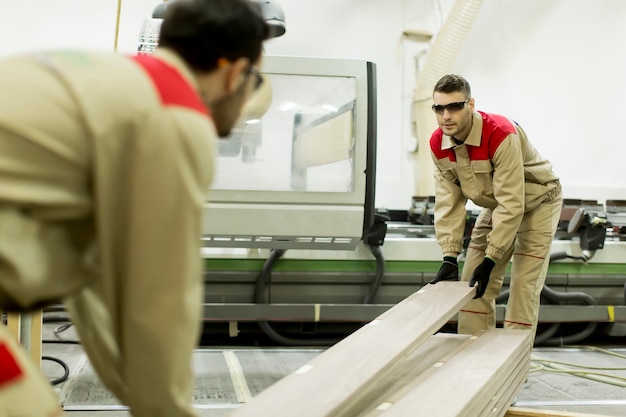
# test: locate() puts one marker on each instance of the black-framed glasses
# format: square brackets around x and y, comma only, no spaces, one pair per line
[451,107]
[258,78]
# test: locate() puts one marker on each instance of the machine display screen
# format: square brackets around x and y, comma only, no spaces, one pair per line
[304,141]
[298,170]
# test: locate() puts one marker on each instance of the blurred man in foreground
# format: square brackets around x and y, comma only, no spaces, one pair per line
[105,163]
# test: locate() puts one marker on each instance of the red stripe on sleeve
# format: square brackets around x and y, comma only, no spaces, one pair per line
[9,369]
[172,87]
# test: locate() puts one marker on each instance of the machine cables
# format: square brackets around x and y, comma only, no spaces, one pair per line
[546,337]
[262,282]
[378,277]
[66,369]
[264,279]
[374,237]
[582,371]
[66,324]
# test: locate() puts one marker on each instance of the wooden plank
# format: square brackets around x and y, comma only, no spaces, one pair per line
[325,385]
[448,390]
[529,412]
[505,394]
[489,400]
[498,393]
[439,348]
[490,396]
[504,399]
[395,380]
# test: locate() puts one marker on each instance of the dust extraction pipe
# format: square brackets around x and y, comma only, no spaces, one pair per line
[438,63]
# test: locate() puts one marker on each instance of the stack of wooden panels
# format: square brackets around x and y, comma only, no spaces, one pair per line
[396,365]
[480,378]
[528,412]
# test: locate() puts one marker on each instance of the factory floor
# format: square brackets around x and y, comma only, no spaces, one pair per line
[597,387]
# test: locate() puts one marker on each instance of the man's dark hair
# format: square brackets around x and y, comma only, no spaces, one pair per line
[202,31]
[452,83]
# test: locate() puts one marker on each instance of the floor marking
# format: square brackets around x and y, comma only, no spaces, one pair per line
[304,369]
[237,376]
[69,385]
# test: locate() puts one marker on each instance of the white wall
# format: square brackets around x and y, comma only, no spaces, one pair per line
[555,66]
[558,68]
[27,25]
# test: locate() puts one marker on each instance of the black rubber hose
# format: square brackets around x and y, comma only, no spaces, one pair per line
[378,277]
[556,297]
[261,284]
[574,338]
[66,369]
[546,334]
[270,332]
[557,256]
[541,337]
[503,296]
[265,275]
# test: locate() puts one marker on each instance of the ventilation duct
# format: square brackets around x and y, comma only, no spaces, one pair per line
[439,61]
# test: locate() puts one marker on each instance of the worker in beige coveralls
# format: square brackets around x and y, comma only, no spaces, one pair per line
[105,162]
[488,159]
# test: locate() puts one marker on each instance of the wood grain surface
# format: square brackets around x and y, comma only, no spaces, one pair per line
[465,384]
[529,412]
[325,385]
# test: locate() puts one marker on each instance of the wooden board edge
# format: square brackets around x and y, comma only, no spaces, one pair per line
[531,412]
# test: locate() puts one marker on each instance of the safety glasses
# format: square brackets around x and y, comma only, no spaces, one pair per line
[252,70]
[258,78]
[451,107]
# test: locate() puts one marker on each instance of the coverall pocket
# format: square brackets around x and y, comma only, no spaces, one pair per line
[483,177]
[446,167]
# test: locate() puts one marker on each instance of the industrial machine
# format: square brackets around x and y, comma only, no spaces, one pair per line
[314,296]
[295,252]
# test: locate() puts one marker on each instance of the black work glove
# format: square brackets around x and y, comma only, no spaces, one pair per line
[449,270]
[481,276]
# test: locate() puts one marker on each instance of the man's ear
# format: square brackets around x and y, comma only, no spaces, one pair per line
[236,74]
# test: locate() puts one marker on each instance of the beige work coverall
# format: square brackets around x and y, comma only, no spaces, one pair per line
[498,169]
[105,163]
